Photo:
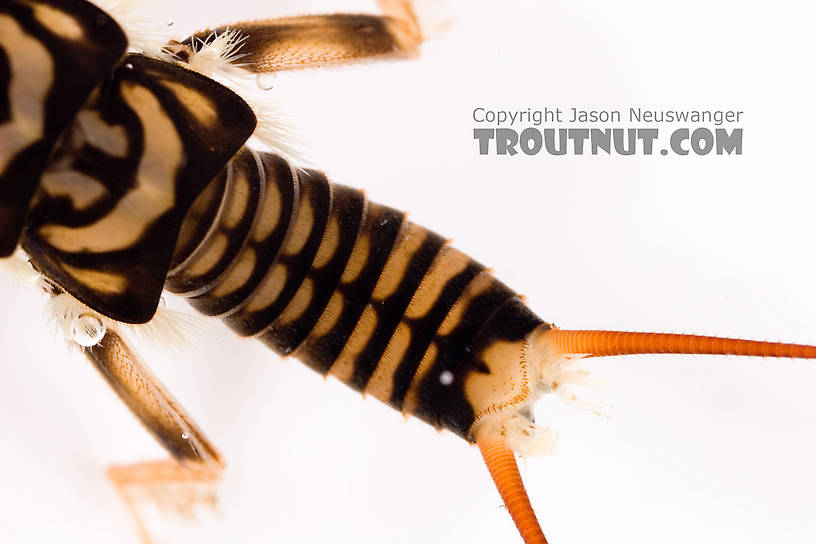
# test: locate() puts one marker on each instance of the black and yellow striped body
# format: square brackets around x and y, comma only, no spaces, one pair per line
[351,288]
[142,183]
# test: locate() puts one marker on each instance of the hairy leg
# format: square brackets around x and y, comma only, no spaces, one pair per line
[311,41]
[177,485]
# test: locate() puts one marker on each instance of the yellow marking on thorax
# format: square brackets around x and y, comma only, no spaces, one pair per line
[91,128]
[80,188]
[61,179]
[448,263]
[328,246]
[343,367]
[381,383]
[396,265]
[58,22]
[238,275]
[507,386]
[31,74]
[269,289]
[197,103]
[153,195]
[208,256]
[411,401]
[97,280]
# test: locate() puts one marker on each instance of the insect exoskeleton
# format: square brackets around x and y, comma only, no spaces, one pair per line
[124,173]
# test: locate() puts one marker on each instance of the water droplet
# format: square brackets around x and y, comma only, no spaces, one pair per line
[88,329]
[446,377]
[128,66]
[170,21]
[266,81]
[185,436]
[162,303]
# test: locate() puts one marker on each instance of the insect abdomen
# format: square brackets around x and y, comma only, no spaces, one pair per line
[348,286]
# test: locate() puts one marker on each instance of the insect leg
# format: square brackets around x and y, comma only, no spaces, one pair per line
[176,484]
[311,41]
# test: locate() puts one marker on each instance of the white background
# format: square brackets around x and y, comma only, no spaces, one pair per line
[695,449]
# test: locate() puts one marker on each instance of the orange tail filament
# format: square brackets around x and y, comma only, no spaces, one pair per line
[603,343]
[501,462]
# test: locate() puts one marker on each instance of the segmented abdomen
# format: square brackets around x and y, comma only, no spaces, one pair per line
[348,286]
